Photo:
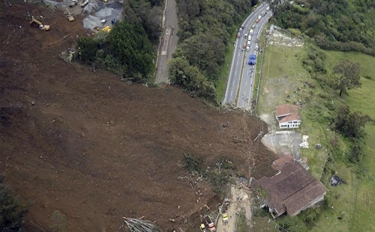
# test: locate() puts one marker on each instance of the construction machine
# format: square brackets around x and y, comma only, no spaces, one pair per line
[41,26]
[69,16]
[73,3]
[84,3]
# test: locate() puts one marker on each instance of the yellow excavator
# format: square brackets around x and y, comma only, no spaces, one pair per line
[41,26]
[69,16]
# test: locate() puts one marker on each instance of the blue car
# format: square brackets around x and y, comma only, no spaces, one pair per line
[252,60]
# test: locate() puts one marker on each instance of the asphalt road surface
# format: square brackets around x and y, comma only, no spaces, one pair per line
[233,95]
[248,71]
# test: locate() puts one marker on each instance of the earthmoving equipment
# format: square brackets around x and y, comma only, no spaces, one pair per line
[69,16]
[209,224]
[106,29]
[224,210]
[73,3]
[84,3]
[203,227]
[41,26]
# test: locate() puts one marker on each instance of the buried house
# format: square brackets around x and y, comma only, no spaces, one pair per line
[290,191]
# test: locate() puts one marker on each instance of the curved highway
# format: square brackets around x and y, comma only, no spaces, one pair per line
[241,76]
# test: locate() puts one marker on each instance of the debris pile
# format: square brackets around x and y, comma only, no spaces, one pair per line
[138,225]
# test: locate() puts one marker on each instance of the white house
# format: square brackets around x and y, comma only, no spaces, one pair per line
[288,116]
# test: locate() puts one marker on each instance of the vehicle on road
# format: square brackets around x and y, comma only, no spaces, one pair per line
[239,35]
[224,211]
[253,26]
[249,38]
[252,60]
[248,43]
[256,48]
[268,8]
[245,35]
[251,32]
[247,48]
[257,21]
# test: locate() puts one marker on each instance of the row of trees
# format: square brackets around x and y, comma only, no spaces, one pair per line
[334,24]
[205,31]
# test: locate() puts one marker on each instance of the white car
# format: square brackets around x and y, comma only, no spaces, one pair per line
[253,26]
[248,43]
[245,35]
[251,32]
[256,48]
[247,48]
[249,38]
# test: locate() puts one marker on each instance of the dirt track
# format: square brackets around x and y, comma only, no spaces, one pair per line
[88,149]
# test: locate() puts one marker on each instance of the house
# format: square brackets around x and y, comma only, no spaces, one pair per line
[288,116]
[290,191]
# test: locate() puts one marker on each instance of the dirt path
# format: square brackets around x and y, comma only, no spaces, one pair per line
[239,201]
[169,41]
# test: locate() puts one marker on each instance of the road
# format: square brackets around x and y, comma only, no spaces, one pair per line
[168,43]
[232,95]
[248,73]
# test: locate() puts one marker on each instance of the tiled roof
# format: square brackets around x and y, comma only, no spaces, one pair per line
[291,190]
[279,163]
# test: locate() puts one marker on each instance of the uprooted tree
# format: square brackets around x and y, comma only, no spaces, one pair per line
[138,225]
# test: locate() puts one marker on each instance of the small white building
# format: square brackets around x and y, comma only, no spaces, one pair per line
[288,116]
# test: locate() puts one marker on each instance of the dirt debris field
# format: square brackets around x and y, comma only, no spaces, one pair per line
[88,149]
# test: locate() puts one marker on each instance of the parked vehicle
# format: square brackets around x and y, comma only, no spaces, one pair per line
[210,224]
[239,35]
[245,35]
[251,32]
[249,38]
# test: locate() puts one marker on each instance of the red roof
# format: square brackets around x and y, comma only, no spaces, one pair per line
[280,162]
[286,113]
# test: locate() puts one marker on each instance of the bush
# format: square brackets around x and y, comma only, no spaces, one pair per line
[12,212]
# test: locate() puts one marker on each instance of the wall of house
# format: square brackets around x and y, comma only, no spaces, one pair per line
[290,124]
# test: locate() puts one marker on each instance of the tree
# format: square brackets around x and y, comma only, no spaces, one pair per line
[347,75]
[351,124]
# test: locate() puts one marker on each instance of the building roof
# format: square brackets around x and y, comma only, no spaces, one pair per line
[279,163]
[291,190]
[285,113]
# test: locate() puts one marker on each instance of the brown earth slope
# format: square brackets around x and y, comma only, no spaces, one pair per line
[88,149]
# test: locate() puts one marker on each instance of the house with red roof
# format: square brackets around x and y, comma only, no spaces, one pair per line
[288,116]
[291,190]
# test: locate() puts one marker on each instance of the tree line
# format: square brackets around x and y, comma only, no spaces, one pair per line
[205,31]
[341,25]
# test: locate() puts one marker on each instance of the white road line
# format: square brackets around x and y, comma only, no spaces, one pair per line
[235,72]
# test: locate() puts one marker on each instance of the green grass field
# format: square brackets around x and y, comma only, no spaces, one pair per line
[350,204]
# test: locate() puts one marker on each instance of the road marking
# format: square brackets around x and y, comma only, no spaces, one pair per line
[235,72]
[246,82]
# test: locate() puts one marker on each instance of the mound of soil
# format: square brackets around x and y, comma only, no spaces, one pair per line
[88,149]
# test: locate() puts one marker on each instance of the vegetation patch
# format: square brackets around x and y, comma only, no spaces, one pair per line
[206,30]
[12,211]
[218,173]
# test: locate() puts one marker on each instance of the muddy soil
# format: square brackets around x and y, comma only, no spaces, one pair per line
[88,149]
